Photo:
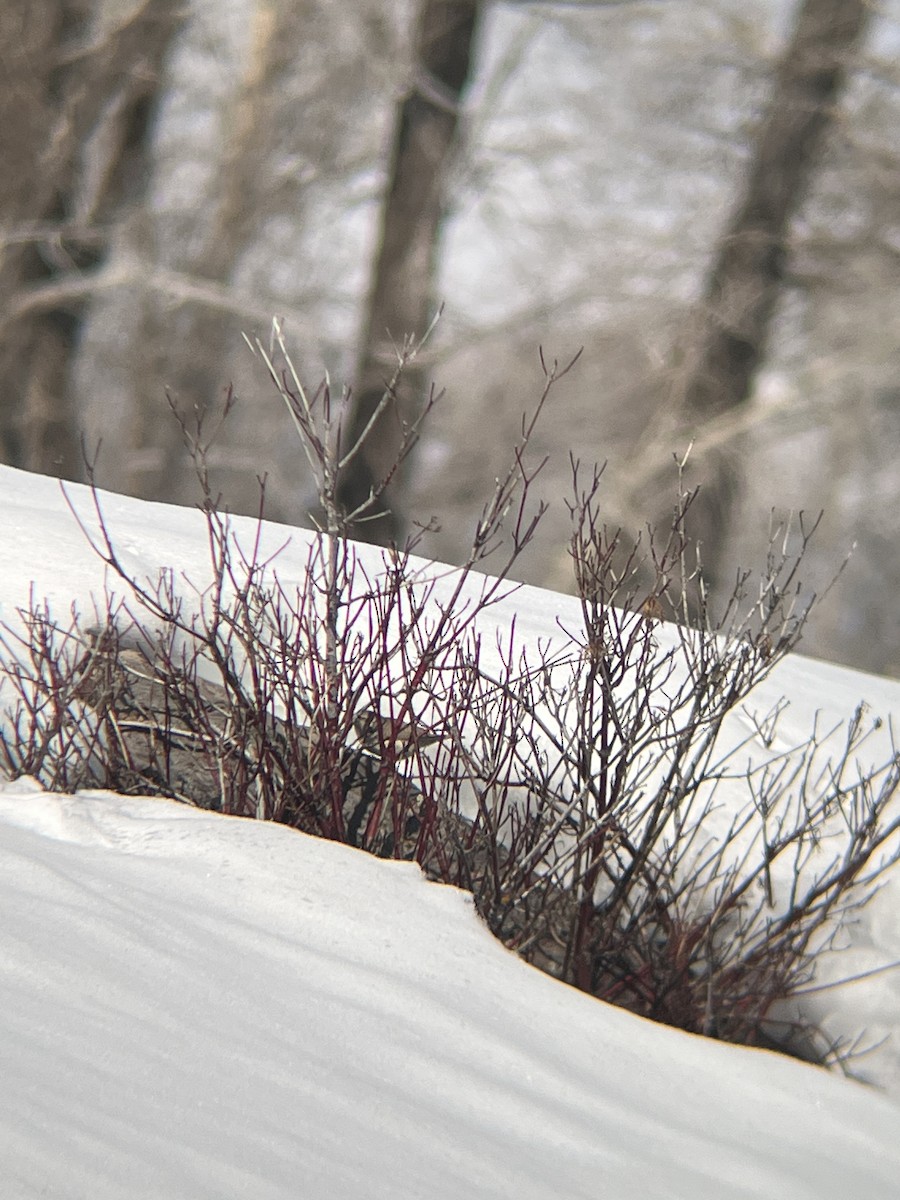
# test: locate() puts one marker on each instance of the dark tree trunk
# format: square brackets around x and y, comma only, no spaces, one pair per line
[72,114]
[401,294]
[745,282]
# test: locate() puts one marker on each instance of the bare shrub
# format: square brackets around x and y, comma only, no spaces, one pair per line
[588,792]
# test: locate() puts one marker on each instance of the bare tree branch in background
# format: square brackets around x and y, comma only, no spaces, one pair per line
[76,103]
[249,127]
[398,307]
[747,275]
[286,137]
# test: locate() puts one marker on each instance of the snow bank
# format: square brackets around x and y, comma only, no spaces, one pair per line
[198,1006]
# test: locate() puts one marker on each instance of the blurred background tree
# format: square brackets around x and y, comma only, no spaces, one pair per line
[80,82]
[183,171]
[726,347]
[401,300]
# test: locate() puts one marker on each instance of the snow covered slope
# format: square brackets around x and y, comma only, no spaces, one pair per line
[198,1006]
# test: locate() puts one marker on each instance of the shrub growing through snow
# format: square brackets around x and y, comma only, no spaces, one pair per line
[583,791]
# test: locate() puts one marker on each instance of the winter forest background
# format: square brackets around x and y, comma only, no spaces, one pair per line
[704,195]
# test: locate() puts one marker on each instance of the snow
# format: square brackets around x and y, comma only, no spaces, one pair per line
[199,1006]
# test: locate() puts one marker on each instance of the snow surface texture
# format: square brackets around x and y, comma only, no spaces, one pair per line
[201,1006]
[198,1006]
